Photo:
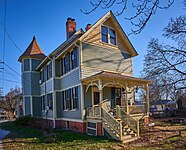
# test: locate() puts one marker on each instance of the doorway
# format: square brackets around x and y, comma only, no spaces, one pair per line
[95,96]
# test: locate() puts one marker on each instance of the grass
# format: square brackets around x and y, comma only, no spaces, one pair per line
[22,137]
[28,138]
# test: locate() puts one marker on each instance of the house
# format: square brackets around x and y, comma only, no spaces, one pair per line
[158,107]
[86,83]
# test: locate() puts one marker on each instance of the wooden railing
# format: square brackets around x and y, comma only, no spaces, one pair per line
[112,122]
[134,109]
[93,112]
[128,120]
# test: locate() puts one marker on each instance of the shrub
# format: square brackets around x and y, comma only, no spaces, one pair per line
[23,121]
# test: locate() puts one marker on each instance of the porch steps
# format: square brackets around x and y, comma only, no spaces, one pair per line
[128,135]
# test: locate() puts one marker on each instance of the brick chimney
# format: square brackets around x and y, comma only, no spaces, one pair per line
[70,27]
[88,27]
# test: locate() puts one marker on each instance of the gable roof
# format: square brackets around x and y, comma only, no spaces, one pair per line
[33,51]
[102,20]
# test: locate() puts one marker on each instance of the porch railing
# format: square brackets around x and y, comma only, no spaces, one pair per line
[128,120]
[134,109]
[94,112]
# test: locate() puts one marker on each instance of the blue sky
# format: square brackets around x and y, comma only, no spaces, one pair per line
[46,20]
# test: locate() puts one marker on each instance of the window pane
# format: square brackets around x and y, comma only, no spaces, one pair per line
[68,99]
[74,58]
[67,63]
[104,30]
[75,97]
[112,33]
[113,41]
[26,64]
[104,39]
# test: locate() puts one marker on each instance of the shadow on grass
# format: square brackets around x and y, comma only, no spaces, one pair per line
[27,135]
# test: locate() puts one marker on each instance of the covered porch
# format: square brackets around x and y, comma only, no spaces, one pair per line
[110,90]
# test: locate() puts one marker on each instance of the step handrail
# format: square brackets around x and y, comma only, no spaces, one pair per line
[130,121]
[115,125]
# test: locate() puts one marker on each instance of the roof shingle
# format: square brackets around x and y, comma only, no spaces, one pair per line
[33,51]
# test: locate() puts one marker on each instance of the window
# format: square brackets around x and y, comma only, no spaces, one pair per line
[42,75]
[104,32]
[62,66]
[26,64]
[74,58]
[108,35]
[75,97]
[50,101]
[43,102]
[49,71]
[68,98]
[112,36]
[67,63]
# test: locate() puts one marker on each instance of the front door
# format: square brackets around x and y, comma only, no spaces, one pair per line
[96,99]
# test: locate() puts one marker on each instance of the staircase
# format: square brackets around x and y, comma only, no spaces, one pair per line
[125,129]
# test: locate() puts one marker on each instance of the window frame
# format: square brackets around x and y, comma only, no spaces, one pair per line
[74,62]
[108,35]
[75,98]
[67,63]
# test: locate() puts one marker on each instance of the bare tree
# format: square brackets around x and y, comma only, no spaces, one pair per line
[167,63]
[142,10]
[8,103]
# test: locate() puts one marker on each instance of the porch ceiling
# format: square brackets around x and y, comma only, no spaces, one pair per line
[109,76]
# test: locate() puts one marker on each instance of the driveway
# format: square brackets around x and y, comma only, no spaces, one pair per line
[3,133]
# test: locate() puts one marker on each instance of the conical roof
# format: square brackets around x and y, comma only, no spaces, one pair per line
[33,51]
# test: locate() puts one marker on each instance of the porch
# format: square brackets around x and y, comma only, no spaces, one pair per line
[112,101]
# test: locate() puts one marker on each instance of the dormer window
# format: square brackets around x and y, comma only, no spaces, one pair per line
[108,35]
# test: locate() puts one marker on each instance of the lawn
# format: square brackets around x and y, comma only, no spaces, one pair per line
[163,136]
[28,138]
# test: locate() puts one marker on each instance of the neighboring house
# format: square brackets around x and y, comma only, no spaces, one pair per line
[86,84]
[162,106]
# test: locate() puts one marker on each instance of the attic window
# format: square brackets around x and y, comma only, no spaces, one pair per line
[108,35]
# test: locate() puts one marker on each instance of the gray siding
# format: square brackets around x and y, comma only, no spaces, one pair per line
[26,83]
[46,88]
[35,90]
[59,106]
[30,82]
[107,93]
[87,97]
[105,59]
[74,114]
[71,79]
[27,105]
[57,84]
[36,102]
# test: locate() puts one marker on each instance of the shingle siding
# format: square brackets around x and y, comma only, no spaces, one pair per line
[100,58]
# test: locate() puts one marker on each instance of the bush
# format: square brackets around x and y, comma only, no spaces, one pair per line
[23,121]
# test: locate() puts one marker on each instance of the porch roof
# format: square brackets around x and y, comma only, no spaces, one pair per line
[114,76]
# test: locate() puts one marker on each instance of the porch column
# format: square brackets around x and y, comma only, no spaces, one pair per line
[100,95]
[147,99]
[100,90]
[127,107]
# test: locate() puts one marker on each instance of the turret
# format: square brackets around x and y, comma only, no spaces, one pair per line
[30,59]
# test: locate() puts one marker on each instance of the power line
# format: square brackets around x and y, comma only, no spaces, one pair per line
[33,85]
[9,80]
[10,38]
